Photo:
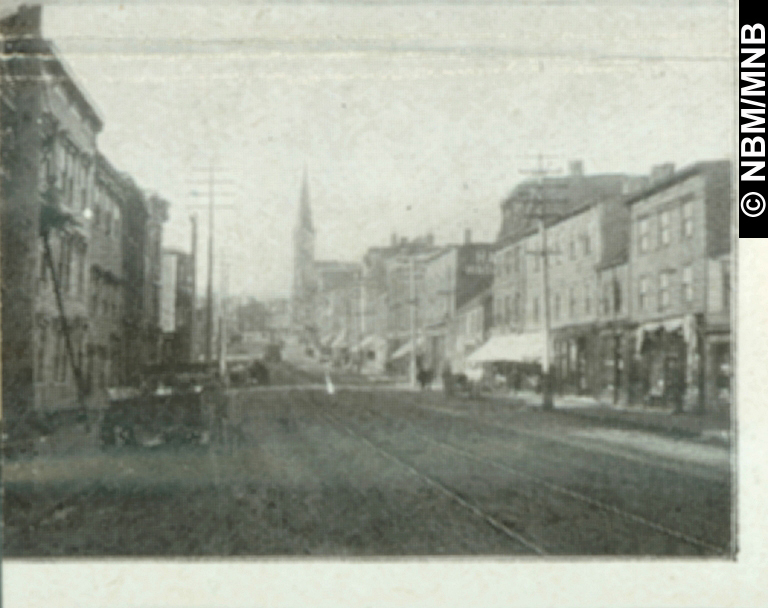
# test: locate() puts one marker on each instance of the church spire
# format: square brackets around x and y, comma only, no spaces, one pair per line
[305,212]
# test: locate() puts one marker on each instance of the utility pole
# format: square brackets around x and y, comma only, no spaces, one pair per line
[412,281]
[193,319]
[212,184]
[209,288]
[541,214]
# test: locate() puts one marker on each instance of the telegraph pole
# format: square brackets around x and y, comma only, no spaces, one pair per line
[541,214]
[413,318]
[193,320]
[212,184]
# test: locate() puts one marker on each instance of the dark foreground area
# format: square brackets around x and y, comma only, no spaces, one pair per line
[371,472]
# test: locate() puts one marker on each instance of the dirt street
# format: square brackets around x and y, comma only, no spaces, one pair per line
[377,472]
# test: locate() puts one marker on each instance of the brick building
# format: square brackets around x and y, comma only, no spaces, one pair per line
[680,286]
[49,130]
[452,276]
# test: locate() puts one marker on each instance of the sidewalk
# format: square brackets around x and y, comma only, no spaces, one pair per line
[711,427]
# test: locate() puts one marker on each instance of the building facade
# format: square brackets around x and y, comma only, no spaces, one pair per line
[452,276]
[177,305]
[49,143]
[105,365]
[680,288]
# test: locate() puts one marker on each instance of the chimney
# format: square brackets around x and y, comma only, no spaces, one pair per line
[467,236]
[661,172]
[576,168]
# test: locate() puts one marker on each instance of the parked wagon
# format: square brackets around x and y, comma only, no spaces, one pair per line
[169,406]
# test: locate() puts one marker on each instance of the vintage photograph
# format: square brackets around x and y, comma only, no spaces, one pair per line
[368,280]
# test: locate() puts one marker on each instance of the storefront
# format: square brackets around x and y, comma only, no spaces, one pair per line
[575,357]
[666,367]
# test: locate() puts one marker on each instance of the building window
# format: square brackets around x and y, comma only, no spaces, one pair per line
[587,300]
[536,261]
[664,227]
[644,228]
[687,284]
[517,259]
[535,309]
[508,262]
[726,274]
[557,306]
[571,302]
[572,249]
[642,301]
[687,219]
[587,245]
[517,307]
[507,309]
[664,280]
[617,303]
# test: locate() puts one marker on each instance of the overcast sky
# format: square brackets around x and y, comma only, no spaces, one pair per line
[409,119]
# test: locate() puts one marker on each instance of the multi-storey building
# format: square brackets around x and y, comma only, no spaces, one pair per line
[49,130]
[679,267]
[470,328]
[177,305]
[386,301]
[452,276]
[105,351]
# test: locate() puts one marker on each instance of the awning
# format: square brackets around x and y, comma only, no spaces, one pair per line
[341,340]
[519,348]
[686,325]
[372,341]
[405,349]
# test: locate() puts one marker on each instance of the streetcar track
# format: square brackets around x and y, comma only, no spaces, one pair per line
[474,509]
[691,540]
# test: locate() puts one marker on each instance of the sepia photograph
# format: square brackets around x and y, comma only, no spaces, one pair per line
[369,281]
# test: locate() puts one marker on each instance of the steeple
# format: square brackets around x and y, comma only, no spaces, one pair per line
[305,212]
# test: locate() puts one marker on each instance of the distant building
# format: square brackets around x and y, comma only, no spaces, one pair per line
[177,305]
[452,277]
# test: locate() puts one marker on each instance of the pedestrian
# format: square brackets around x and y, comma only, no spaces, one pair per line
[447,379]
